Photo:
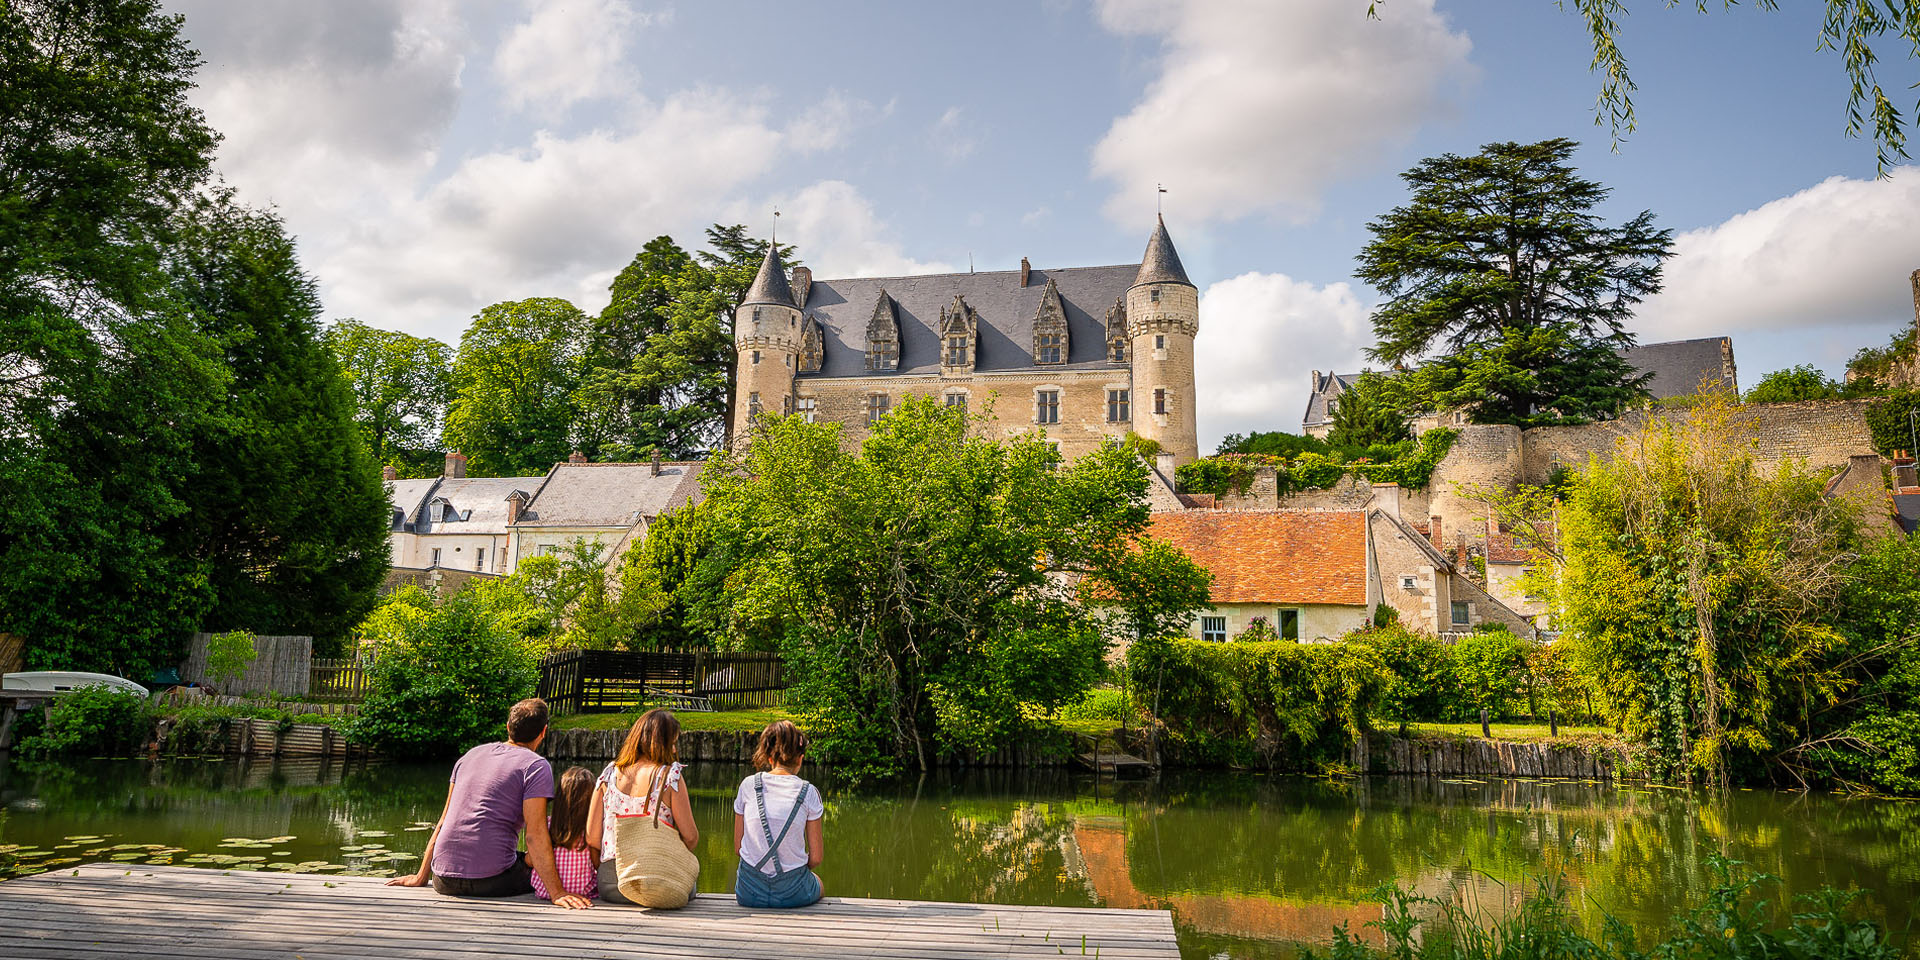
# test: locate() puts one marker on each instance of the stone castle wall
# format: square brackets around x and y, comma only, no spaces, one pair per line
[1824,433]
[1083,422]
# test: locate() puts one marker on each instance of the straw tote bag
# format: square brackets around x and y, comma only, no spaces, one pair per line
[655,867]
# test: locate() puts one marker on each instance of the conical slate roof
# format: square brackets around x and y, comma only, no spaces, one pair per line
[770,284]
[1161,263]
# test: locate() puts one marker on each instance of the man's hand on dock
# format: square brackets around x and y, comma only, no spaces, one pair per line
[410,880]
[571,902]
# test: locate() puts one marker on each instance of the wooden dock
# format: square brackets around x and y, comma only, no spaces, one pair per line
[106,910]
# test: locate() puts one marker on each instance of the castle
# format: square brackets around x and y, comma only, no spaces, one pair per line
[1079,354]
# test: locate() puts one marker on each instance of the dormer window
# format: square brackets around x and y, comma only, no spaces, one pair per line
[1117,351]
[1050,327]
[883,336]
[1048,348]
[956,351]
[811,347]
[957,325]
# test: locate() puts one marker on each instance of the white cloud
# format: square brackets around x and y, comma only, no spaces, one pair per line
[567,52]
[837,232]
[952,136]
[1261,335]
[826,124]
[1259,105]
[1835,254]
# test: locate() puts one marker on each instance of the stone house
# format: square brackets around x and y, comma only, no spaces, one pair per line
[1078,354]
[487,524]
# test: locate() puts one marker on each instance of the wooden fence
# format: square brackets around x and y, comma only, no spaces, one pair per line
[612,681]
[282,665]
[334,679]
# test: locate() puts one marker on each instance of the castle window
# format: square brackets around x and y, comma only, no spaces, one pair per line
[1049,348]
[957,401]
[1289,624]
[786,405]
[805,407]
[1119,354]
[1213,629]
[1159,341]
[1046,406]
[956,351]
[786,360]
[877,406]
[756,314]
[756,358]
[753,404]
[1119,408]
[1154,295]
[1159,399]
[882,355]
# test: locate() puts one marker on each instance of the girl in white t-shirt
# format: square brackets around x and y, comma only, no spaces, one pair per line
[776,825]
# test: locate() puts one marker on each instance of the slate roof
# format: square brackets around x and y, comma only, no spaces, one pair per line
[1161,263]
[1275,556]
[1328,386]
[770,284]
[1907,505]
[407,497]
[1006,311]
[1681,367]
[610,494]
[480,501]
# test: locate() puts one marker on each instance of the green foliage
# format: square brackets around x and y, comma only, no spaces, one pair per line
[443,674]
[90,721]
[229,655]
[1792,385]
[1101,703]
[1422,683]
[401,385]
[1155,590]
[1872,364]
[1738,919]
[1406,463]
[1279,704]
[1371,413]
[1500,263]
[513,379]
[1275,443]
[1490,668]
[1695,592]
[1385,616]
[1891,419]
[911,585]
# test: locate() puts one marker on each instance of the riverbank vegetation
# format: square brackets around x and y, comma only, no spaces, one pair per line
[1311,464]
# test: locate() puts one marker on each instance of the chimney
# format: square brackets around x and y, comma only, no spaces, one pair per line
[1433,533]
[1027,268]
[577,457]
[1386,497]
[802,283]
[389,473]
[456,465]
[656,461]
[1164,463]
[513,507]
[1316,382]
[1493,526]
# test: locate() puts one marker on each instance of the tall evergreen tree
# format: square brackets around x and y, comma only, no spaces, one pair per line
[1369,414]
[104,382]
[288,511]
[1500,261]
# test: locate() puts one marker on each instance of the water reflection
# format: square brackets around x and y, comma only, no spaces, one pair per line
[1248,864]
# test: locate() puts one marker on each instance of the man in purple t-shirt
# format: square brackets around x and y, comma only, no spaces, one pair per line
[498,790]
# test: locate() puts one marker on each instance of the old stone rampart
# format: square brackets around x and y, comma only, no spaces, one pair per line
[1825,433]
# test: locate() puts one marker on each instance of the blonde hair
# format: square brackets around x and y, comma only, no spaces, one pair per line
[654,739]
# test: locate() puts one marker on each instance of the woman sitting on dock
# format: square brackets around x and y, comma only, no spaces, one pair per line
[776,868]
[643,789]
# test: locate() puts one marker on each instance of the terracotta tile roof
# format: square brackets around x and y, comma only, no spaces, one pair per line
[1502,549]
[1275,556]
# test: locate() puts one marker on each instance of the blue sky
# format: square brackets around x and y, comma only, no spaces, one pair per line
[434,157]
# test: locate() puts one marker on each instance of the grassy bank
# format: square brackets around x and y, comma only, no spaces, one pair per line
[751,721]
[1519,732]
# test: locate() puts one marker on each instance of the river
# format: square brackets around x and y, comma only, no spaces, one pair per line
[1251,865]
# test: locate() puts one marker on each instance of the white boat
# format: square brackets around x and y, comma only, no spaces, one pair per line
[61,681]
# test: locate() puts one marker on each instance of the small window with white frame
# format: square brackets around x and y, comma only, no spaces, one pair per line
[1213,629]
[1407,582]
[480,559]
[805,407]
[436,556]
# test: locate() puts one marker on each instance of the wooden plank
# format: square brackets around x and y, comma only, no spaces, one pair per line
[102,910]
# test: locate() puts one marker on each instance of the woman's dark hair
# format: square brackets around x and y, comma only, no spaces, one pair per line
[781,745]
[654,739]
[567,824]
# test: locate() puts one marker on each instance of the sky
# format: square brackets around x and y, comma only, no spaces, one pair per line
[433,157]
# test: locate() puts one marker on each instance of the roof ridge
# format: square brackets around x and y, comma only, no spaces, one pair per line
[974,273]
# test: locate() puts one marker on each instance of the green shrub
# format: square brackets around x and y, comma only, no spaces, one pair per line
[1887,419]
[1422,683]
[1101,703]
[89,721]
[228,656]
[1490,669]
[1280,704]
[442,679]
[1406,463]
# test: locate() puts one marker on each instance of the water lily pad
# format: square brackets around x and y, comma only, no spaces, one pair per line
[402,855]
[26,871]
[58,861]
[352,848]
[375,833]
[85,837]
[127,856]
[127,846]
[418,828]
[158,863]
[96,851]
[312,863]
[373,846]
[279,839]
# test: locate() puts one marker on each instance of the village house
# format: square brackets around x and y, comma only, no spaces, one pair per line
[488,524]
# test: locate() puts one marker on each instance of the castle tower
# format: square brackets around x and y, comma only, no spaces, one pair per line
[766,341]
[1163,317]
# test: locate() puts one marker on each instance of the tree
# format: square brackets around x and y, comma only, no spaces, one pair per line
[1695,590]
[1369,414]
[400,387]
[105,380]
[1500,260]
[514,381]
[1804,382]
[1156,590]
[917,587]
[444,672]
[288,511]
[1272,443]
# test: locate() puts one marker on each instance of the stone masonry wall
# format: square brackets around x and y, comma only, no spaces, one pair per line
[1825,433]
[1083,402]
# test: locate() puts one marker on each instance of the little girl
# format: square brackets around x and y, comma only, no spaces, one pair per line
[777,861]
[576,862]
